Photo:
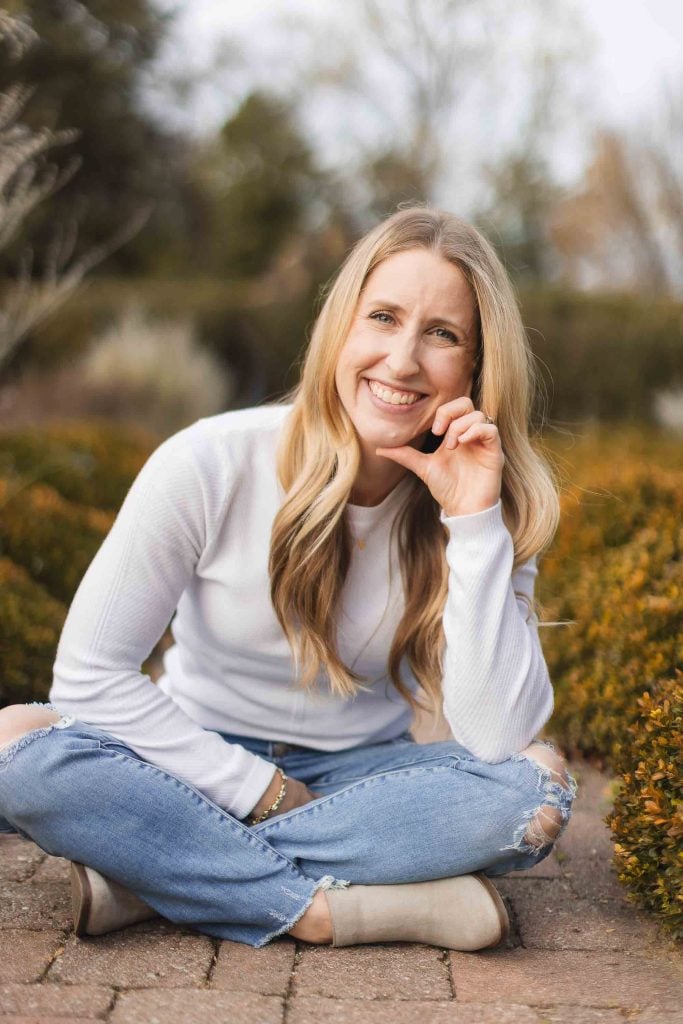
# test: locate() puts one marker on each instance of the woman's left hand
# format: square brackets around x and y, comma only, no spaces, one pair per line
[465,473]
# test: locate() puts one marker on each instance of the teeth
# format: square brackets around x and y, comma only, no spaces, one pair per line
[393,397]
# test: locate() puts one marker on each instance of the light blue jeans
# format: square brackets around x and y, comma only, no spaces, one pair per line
[390,812]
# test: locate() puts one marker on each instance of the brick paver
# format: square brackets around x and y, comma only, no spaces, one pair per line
[549,916]
[18,858]
[189,1006]
[579,953]
[540,977]
[73,1001]
[136,959]
[52,869]
[28,905]
[388,970]
[312,1010]
[267,970]
[43,1019]
[25,954]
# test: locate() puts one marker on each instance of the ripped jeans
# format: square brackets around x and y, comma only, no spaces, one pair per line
[391,812]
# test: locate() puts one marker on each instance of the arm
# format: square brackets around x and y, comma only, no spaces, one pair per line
[497,693]
[124,603]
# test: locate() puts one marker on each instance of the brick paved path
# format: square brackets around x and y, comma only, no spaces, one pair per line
[579,954]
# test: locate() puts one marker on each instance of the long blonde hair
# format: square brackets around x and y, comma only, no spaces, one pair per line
[319,455]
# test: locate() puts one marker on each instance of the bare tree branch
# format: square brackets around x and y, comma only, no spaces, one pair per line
[24,183]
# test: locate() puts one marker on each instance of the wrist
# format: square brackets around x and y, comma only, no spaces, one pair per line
[471,509]
[273,795]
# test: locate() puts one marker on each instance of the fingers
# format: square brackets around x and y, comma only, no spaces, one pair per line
[478,431]
[408,457]
[461,429]
[450,411]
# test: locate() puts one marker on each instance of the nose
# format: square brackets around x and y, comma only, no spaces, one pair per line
[402,356]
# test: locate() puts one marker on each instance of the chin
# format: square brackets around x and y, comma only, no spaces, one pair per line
[386,437]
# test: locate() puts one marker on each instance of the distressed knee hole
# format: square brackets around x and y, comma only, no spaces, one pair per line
[544,827]
[544,824]
[19,719]
[556,765]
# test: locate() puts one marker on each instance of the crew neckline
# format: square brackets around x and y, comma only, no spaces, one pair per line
[367,514]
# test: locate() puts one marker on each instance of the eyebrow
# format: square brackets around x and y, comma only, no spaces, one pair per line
[394,307]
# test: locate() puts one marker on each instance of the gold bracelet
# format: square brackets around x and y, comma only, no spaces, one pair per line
[280,797]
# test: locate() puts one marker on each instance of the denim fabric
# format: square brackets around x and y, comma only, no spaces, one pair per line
[390,812]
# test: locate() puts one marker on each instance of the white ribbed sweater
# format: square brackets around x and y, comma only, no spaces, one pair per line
[190,543]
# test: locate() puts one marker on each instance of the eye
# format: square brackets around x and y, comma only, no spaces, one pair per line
[381,313]
[446,334]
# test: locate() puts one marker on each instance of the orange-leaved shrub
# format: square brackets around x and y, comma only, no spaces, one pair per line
[88,462]
[647,820]
[52,539]
[60,488]
[30,624]
[615,575]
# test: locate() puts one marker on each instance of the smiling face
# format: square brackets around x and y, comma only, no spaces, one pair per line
[410,349]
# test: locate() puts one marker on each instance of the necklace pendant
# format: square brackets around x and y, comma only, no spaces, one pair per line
[360,543]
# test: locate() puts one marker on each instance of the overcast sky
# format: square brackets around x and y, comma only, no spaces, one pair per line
[638,41]
[638,44]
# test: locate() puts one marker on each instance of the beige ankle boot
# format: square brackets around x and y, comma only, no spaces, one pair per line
[465,912]
[101,905]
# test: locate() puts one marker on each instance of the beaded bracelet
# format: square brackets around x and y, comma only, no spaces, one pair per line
[280,797]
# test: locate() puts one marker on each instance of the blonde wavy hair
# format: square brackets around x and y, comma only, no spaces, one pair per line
[318,458]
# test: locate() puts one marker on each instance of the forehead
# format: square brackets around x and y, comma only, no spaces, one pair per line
[421,278]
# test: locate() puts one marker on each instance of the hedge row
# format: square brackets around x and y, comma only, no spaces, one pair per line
[89,463]
[601,356]
[647,821]
[615,571]
[31,621]
[60,488]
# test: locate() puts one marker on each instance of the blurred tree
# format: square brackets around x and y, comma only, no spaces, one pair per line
[26,181]
[455,102]
[260,188]
[521,181]
[86,74]
[622,227]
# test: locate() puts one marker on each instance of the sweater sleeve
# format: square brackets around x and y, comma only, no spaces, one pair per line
[123,604]
[497,692]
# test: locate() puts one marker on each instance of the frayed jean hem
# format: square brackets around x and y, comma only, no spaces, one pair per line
[326,882]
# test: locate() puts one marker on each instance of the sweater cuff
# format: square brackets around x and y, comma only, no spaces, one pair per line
[486,523]
[254,785]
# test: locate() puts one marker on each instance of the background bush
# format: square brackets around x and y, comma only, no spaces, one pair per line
[31,621]
[88,463]
[647,821]
[60,488]
[616,571]
[611,355]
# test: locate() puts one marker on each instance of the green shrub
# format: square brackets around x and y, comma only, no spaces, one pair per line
[615,574]
[615,571]
[647,821]
[90,463]
[30,625]
[52,539]
[603,356]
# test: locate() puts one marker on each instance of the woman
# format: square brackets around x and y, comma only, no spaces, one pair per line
[325,559]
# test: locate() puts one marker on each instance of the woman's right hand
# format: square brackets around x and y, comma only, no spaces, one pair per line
[297,795]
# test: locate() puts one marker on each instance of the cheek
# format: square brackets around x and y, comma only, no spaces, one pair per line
[453,381]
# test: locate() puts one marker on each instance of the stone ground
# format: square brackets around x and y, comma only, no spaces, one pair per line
[578,954]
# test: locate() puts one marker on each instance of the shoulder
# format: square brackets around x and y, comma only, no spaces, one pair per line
[228,438]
